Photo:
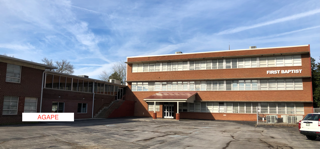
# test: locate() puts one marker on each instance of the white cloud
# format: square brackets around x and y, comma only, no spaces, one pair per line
[18,47]
[280,20]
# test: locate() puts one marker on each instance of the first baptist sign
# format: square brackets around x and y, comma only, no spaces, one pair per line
[284,71]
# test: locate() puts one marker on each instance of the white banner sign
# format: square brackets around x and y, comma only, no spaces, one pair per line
[284,71]
[47,117]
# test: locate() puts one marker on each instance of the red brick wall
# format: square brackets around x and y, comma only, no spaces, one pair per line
[30,86]
[71,100]
[125,110]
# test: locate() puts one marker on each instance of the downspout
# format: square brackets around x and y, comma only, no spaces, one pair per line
[41,91]
[92,98]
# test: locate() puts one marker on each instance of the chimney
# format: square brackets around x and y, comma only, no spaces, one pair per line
[178,52]
[252,47]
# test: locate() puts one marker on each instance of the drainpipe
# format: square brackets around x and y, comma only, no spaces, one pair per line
[41,91]
[92,98]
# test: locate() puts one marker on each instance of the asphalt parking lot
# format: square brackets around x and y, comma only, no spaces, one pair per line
[147,133]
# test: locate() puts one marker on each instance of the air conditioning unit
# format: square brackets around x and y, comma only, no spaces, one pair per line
[114,81]
[292,119]
[284,118]
[272,118]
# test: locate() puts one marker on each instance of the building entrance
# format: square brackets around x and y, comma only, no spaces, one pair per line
[168,110]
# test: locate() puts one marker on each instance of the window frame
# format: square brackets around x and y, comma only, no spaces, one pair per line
[20,68]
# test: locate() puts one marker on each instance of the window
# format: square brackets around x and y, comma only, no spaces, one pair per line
[135,68]
[203,85]
[157,86]
[56,82]
[289,84]
[264,84]
[299,108]
[272,85]
[240,63]
[264,108]
[290,108]
[185,66]
[241,108]
[68,84]
[235,85]
[228,85]
[215,64]
[151,86]
[185,86]
[151,105]
[281,84]
[62,83]
[164,86]
[145,86]
[254,107]
[191,66]
[91,87]
[164,66]
[180,87]
[263,62]
[197,65]
[221,107]
[174,86]
[229,107]
[221,86]
[191,86]
[254,62]
[247,62]
[82,108]
[158,66]
[151,67]
[216,107]
[272,108]
[169,86]
[298,84]
[234,63]
[169,66]
[174,66]
[180,65]
[140,67]
[86,87]
[191,107]
[49,79]
[204,107]
[241,84]
[13,73]
[248,107]
[235,108]
[209,85]
[248,85]
[228,63]
[134,86]
[30,104]
[279,61]
[281,108]
[215,85]
[202,65]
[145,67]
[209,63]
[183,107]
[271,61]
[254,84]
[297,60]
[57,107]
[198,85]
[288,61]
[139,86]
[75,85]
[210,106]
[197,106]
[220,64]
[80,86]
[10,105]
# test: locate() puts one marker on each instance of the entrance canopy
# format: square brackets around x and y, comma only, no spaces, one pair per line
[172,97]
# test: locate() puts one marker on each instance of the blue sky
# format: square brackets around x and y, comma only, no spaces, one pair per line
[93,35]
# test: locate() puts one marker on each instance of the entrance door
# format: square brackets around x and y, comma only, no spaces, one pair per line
[168,111]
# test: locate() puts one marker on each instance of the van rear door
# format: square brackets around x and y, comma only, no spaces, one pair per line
[310,123]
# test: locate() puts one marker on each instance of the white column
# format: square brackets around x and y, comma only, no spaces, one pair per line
[178,107]
[154,107]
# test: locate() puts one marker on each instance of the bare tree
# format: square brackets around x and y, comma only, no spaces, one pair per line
[104,76]
[121,69]
[63,66]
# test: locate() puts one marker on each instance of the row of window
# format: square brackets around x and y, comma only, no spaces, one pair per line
[229,107]
[72,84]
[272,84]
[10,106]
[275,61]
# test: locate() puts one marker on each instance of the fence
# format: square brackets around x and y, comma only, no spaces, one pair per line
[284,116]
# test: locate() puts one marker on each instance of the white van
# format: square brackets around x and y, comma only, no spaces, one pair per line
[310,126]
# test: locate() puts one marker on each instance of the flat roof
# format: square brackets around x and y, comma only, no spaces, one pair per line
[218,51]
[21,62]
[82,78]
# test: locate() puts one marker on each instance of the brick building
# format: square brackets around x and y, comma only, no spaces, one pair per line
[222,85]
[21,91]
